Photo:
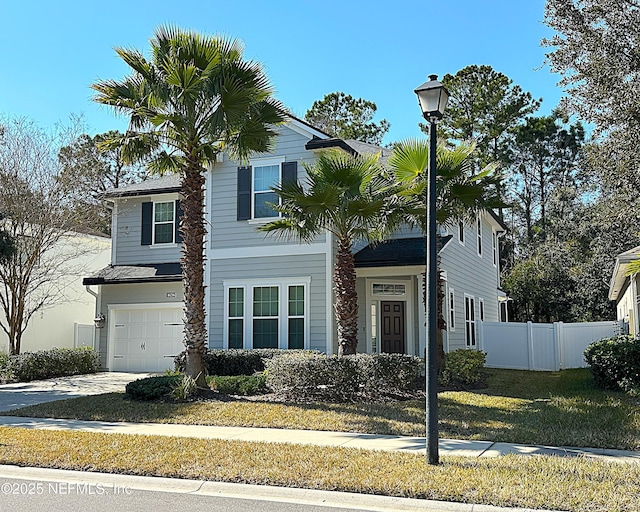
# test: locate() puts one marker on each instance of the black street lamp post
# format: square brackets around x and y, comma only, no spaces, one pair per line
[432,96]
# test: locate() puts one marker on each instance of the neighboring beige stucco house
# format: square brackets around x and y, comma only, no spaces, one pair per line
[624,290]
[69,322]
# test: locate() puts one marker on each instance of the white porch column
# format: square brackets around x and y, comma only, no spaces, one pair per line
[635,328]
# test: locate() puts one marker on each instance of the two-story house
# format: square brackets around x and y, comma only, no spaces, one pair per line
[263,291]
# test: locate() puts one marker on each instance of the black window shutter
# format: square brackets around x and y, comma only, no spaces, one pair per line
[178,219]
[244,193]
[289,172]
[147,223]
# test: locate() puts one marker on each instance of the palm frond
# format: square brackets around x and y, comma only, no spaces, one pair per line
[633,268]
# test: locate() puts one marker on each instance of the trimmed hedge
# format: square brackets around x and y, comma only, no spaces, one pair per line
[463,368]
[47,364]
[235,361]
[152,388]
[615,363]
[314,376]
[241,384]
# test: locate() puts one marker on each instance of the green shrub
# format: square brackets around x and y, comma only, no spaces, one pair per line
[615,363]
[362,376]
[240,384]
[234,361]
[57,362]
[152,388]
[185,388]
[463,368]
[6,375]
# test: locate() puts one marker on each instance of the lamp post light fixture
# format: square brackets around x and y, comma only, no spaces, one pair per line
[433,97]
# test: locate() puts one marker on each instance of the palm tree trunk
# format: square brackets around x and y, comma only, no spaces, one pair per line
[192,262]
[441,322]
[346,306]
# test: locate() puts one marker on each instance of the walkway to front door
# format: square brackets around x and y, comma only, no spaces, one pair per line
[393,321]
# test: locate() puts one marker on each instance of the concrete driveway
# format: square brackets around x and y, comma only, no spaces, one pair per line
[21,394]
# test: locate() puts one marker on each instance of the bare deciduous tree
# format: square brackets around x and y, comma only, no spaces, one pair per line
[36,217]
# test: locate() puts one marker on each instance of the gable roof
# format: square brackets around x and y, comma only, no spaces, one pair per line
[618,280]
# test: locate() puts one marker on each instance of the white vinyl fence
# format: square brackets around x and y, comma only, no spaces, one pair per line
[529,346]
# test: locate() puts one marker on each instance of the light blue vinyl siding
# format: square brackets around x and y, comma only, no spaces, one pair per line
[228,232]
[128,247]
[273,268]
[468,273]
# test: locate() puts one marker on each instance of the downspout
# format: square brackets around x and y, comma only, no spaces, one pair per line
[96,335]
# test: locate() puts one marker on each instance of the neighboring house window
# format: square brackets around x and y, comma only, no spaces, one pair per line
[236,318]
[479,229]
[452,310]
[470,321]
[494,247]
[266,315]
[504,311]
[481,309]
[160,222]
[255,196]
[461,232]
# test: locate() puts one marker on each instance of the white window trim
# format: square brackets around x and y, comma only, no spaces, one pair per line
[461,233]
[481,309]
[153,224]
[451,311]
[283,308]
[479,236]
[470,321]
[263,162]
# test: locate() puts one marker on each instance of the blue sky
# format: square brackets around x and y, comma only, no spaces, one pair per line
[50,52]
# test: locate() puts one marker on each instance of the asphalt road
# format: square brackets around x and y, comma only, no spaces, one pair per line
[27,496]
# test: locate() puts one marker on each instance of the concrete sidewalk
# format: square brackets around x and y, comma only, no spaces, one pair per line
[447,447]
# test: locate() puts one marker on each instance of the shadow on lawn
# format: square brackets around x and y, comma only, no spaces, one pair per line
[559,408]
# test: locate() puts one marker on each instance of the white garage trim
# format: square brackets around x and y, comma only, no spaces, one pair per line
[111,318]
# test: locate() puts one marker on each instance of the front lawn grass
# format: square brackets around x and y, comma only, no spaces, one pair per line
[548,408]
[559,483]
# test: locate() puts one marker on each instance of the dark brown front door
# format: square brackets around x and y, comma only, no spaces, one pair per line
[392,327]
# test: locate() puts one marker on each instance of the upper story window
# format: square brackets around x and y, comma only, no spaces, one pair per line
[461,232]
[164,222]
[479,230]
[265,177]
[160,222]
[255,197]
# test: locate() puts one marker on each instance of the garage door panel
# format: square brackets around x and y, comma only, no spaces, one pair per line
[142,339]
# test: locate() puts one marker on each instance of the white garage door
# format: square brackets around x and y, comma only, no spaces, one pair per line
[146,340]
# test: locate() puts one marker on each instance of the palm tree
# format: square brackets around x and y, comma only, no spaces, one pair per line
[461,192]
[351,197]
[195,98]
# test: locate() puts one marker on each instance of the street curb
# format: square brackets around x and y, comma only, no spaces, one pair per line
[334,499]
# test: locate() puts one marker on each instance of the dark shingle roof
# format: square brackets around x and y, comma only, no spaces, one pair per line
[161,185]
[152,273]
[399,252]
